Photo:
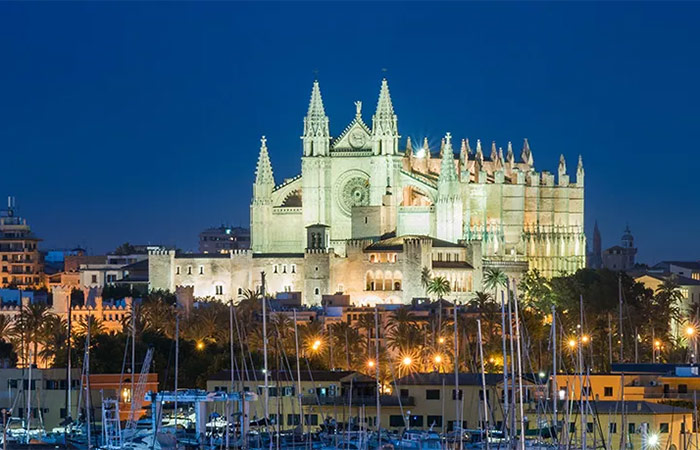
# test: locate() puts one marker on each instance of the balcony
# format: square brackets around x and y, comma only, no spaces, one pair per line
[385,400]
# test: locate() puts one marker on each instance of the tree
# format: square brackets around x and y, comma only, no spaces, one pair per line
[32,321]
[425,278]
[495,279]
[439,286]
[125,249]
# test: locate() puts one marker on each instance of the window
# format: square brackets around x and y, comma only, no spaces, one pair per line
[311,419]
[177,270]
[454,395]
[572,427]
[111,278]
[608,391]
[292,419]
[432,394]
[613,427]
[415,421]
[274,268]
[404,393]
[189,270]
[682,388]
[294,268]
[663,427]
[317,291]
[631,428]
[284,268]
[434,421]
[481,395]
[396,421]
[589,427]
[94,278]
[201,270]
[219,289]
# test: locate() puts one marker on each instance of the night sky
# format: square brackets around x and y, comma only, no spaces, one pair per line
[141,122]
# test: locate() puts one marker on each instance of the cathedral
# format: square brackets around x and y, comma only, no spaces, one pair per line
[369,211]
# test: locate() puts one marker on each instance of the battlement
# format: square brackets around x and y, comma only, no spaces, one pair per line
[319,251]
[157,251]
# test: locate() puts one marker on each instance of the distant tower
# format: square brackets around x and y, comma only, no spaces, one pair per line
[627,238]
[596,259]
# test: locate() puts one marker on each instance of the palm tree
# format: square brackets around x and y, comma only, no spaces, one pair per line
[33,318]
[95,324]
[6,328]
[486,308]
[55,338]
[366,322]
[495,278]
[439,286]
[425,278]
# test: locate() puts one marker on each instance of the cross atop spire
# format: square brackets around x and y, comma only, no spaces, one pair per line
[316,130]
[448,172]
[263,171]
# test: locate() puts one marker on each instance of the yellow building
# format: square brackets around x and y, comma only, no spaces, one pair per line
[346,396]
[637,424]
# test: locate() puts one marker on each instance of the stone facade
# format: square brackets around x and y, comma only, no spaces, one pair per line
[361,177]
[364,218]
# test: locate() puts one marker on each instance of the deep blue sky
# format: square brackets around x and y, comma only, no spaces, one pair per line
[141,121]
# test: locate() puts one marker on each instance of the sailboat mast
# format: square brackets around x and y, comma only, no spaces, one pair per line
[29,394]
[296,344]
[265,374]
[177,364]
[520,368]
[584,420]
[458,421]
[505,366]
[485,423]
[555,391]
[379,386]
[619,331]
[87,383]
[69,405]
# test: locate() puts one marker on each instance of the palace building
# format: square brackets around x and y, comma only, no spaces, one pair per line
[369,211]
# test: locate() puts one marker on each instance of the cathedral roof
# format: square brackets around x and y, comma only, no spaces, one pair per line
[396,243]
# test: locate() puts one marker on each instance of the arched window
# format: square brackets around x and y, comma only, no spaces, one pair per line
[378,281]
[317,291]
[240,291]
[387,281]
[369,282]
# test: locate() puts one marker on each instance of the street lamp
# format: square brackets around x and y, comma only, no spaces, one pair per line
[437,359]
[441,340]
[200,345]
[691,332]
[406,361]
[370,363]
[572,343]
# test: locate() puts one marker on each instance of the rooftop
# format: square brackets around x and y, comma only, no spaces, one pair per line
[397,242]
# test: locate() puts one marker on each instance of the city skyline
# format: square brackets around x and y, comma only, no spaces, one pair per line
[176,110]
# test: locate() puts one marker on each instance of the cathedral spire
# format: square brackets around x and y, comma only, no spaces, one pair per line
[409,148]
[316,130]
[498,165]
[264,179]
[580,173]
[448,172]
[494,153]
[464,152]
[526,154]
[426,148]
[510,157]
[479,154]
[442,146]
[385,124]
[562,165]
